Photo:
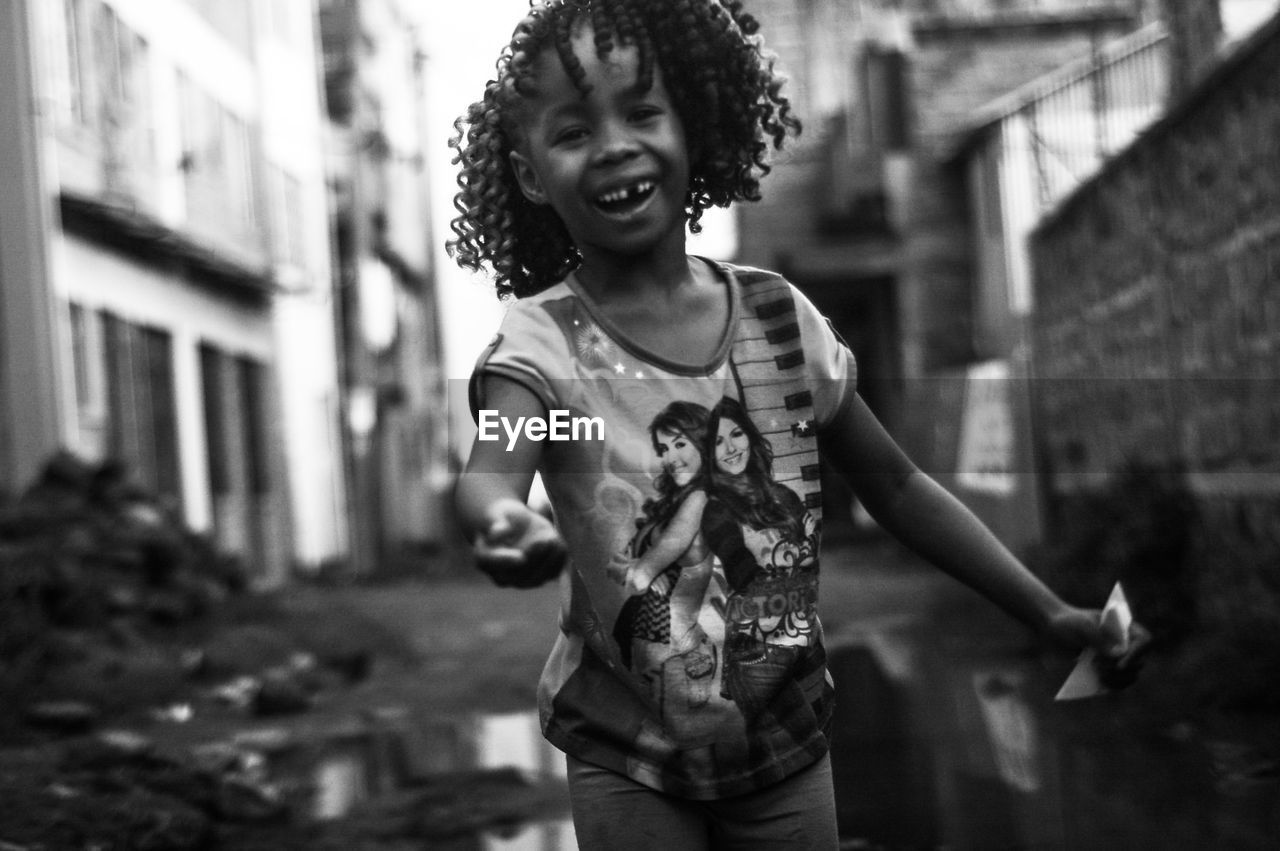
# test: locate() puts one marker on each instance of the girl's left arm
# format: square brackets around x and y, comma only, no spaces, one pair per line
[914,508]
[669,545]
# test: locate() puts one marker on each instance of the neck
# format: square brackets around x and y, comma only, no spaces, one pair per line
[651,276]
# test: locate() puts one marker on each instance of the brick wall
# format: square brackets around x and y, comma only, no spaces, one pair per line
[1157,332]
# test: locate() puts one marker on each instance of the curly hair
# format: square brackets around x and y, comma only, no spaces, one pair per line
[720,78]
[689,420]
[753,495]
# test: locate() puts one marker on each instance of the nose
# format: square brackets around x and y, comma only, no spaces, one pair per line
[614,143]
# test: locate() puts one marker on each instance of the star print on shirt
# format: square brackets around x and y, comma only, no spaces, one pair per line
[802,428]
[591,342]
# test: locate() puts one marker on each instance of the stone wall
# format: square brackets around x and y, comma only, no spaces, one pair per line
[1157,332]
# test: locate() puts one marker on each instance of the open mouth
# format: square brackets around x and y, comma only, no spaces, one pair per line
[626,198]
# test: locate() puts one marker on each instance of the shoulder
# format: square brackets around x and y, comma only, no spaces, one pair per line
[540,305]
[532,343]
[768,294]
[718,510]
[538,321]
[750,278]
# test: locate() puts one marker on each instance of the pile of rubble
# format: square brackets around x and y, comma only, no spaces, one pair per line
[146,702]
[112,619]
[91,567]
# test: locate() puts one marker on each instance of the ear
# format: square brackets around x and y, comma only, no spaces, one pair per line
[527,178]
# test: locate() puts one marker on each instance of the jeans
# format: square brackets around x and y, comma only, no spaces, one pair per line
[612,812]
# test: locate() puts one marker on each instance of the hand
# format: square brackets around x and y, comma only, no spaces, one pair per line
[630,575]
[1119,652]
[519,548]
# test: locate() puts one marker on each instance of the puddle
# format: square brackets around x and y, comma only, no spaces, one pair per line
[938,749]
[932,750]
[492,776]
[515,740]
[339,781]
[545,836]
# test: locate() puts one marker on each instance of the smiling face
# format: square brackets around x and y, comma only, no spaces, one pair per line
[679,455]
[612,163]
[733,447]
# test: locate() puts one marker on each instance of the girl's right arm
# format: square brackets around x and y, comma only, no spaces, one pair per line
[514,544]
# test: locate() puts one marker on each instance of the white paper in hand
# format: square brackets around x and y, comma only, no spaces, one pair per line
[1083,680]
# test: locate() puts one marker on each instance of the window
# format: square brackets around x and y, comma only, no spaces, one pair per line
[239,168]
[288,232]
[104,96]
[217,157]
[82,356]
[887,107]
[236,416]
[252,383]
[237,404]
[142,425]
[76,25]
[218,453]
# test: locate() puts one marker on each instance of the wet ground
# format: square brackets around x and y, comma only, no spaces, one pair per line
[946,736]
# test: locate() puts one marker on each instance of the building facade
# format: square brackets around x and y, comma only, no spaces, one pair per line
[176,197]
[870,213]
[396,425]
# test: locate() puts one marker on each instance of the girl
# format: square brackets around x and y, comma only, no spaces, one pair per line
[658,631]
[610,126]
[752,522]
[767,542]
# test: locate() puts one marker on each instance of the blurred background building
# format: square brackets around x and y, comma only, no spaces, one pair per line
[938,134]
[217,274]
[392,371]
[220,248]
[179,248]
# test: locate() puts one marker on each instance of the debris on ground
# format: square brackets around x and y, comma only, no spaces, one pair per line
[150,699]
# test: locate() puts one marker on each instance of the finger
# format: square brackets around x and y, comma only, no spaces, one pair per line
[547,558]
[501,529]
[1116,677]
[501,564]
[1139,642]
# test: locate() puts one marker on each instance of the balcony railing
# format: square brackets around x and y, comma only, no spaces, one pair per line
[1071,121]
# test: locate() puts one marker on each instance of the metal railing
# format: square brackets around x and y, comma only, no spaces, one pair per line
[1071,121]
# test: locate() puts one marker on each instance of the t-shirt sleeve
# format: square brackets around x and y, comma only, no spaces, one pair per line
[526,341]
[832,370]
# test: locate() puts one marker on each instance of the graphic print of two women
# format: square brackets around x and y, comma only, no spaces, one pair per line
[717,503]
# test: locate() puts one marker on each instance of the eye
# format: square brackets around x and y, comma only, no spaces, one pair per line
[645,112]
[569,135]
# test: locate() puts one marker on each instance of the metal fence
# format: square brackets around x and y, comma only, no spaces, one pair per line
[1072,120]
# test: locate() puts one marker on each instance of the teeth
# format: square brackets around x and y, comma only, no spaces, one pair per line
[619,195]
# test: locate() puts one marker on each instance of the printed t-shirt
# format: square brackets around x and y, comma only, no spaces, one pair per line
[705,677]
